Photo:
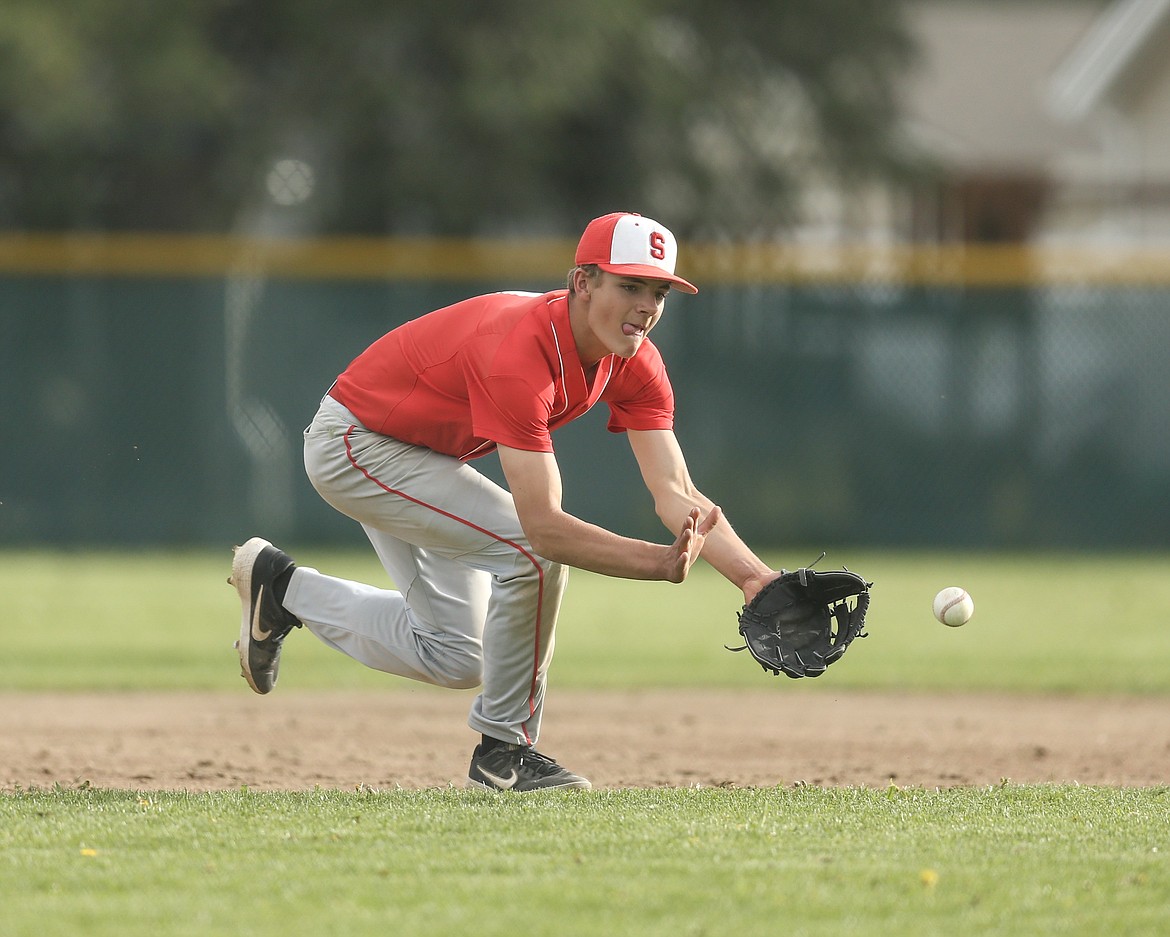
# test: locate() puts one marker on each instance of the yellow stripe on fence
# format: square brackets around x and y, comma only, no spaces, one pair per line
[521,260]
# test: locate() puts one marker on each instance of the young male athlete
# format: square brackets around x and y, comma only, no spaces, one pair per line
[480,570]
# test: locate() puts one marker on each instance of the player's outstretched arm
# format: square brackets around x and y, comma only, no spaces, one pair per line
[664,470]
[535,482]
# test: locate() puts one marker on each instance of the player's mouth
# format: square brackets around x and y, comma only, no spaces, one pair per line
[630,330]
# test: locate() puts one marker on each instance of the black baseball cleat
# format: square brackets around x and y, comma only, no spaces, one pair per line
[518,768]
[264,623]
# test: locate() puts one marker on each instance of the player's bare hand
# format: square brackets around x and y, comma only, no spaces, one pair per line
[689,543]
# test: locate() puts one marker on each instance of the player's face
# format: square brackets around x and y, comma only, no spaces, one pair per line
[621,313]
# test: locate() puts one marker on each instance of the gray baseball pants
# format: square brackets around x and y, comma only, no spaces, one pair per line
[473,604]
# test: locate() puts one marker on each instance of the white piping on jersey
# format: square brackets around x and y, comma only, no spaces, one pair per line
[564,388]
[607,377]
[561,361]
[486,444]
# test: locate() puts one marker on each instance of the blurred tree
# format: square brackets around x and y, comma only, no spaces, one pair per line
[113,113]
[447,117]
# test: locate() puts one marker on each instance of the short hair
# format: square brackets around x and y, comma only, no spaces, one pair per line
[592,271]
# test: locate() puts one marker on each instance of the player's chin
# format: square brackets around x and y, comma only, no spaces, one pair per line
[628,345]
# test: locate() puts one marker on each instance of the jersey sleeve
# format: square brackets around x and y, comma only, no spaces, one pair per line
[640,397]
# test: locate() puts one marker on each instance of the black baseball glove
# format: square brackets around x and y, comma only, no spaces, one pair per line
[801,622]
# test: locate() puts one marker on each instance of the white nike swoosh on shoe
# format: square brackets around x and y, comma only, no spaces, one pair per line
[504,784]
[258,633]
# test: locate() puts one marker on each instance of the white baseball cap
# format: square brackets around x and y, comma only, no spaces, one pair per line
[629,245]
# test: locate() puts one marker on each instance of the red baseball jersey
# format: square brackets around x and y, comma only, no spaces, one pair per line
[497,369]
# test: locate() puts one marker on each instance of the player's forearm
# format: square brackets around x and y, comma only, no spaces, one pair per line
[728,554]
[571,541]
[723,550]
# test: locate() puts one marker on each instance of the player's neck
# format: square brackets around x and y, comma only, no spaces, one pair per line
[590,350]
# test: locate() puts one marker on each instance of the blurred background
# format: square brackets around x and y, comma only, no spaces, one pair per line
[932,241]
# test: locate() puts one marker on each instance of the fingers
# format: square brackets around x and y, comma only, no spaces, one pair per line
[686,536]
[685,557]
[701,526]
[708,523]
[689,543]
[679,558]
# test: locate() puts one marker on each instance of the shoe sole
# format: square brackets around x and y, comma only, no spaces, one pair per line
[581,785]
[243,561]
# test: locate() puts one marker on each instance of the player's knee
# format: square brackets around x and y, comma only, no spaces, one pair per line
[462,672]
[465,680]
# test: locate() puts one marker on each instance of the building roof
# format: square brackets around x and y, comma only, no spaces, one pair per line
[1108,48]
[979,99]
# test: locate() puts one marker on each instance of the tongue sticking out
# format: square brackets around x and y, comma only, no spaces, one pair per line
[631,329]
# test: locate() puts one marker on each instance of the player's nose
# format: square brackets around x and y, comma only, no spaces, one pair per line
[646,305]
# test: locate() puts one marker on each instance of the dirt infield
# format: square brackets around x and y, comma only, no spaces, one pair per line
[419,738]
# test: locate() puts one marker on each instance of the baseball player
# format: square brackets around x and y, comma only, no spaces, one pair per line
[479,570]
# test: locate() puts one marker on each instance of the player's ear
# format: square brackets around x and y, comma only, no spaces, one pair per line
[580,282]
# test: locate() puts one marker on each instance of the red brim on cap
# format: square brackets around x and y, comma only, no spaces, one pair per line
[649,272]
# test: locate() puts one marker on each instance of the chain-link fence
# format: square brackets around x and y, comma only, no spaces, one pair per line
[168,409]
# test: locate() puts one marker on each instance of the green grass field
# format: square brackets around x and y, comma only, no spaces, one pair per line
[1009,859]
[1077,623]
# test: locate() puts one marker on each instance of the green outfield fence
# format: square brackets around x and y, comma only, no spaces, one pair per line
[154,387]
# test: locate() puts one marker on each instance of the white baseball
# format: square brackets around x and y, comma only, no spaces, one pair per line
[953,606]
